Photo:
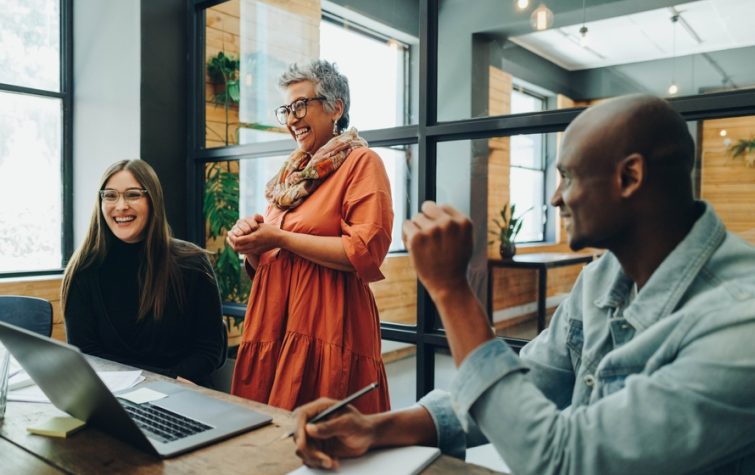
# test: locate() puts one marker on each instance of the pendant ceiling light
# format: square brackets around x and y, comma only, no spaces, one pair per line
[583,40]
[541,18]
[673,88]
[522,4]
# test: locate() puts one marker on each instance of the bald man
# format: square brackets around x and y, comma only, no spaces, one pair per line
[647,367]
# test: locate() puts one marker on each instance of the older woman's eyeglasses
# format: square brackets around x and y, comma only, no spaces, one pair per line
[130,195]
[298,108]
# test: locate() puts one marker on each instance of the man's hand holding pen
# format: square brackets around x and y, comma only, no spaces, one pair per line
[335,426]
[345,434]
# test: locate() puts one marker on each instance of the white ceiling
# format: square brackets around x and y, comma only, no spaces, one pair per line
[648,35]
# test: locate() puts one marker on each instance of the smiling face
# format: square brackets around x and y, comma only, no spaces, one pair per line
[314,129]
[127,220]
[589,191]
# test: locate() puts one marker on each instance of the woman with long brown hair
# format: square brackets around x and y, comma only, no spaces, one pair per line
[134,294]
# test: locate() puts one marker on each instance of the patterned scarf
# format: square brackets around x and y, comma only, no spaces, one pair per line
[301,174]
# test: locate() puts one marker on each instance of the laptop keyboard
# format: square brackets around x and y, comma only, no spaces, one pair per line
[162,424]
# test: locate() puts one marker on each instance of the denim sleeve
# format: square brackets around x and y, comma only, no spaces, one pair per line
[482,368]
[549,372]
[658,423]
[452,439]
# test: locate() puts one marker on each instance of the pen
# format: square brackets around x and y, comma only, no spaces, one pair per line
[337,406]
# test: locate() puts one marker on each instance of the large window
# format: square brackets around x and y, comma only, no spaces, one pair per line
[384,76]
[527,170]
[34,106]
[371,82]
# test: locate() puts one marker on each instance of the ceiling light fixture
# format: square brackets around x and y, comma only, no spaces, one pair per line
[673,88]
[541,18]
[522,4]
[583,40]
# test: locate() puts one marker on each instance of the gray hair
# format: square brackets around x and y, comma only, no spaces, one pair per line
[328,81]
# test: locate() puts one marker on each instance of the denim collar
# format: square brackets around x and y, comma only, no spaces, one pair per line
[670,281]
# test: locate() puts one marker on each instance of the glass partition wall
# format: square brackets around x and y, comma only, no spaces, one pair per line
[466,106]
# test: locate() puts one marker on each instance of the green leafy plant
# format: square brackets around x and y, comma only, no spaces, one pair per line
[744,148]
[509,225]
[221,210]
[224,70]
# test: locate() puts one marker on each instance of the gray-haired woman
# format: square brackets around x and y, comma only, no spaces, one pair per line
[312,327]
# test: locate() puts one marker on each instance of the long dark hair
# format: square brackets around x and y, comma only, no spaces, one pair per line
[159,272]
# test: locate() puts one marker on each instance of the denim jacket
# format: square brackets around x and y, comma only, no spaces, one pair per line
[665,384]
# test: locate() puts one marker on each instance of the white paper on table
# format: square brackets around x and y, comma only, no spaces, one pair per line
[408,460]
[19,380]
[114,380]
[487,456]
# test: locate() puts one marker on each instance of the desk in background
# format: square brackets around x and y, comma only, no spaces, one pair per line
[91,451]
[541,262]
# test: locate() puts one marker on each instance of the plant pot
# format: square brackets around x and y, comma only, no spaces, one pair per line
[507,250]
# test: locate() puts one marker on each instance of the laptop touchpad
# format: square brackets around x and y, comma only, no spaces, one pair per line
[196,406]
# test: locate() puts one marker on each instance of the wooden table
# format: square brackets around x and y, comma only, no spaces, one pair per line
[92,451]
[541,262]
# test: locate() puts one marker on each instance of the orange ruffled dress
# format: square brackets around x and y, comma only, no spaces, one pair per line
[312,331]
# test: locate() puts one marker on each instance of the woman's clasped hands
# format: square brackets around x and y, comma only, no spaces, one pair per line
[252,236]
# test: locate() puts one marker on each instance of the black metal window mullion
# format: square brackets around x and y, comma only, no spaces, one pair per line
[195,118]
[67,86]
[427,320]
[38,92]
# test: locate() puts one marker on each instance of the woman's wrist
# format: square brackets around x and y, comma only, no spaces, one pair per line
[281,238]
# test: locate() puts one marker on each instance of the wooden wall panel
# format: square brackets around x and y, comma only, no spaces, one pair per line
[727,183]
[514,287]
[499,159]
[396,295]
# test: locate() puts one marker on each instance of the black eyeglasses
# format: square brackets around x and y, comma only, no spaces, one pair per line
[130,195]
[298,108]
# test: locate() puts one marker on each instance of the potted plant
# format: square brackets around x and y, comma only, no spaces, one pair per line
[508,228]
[744,148]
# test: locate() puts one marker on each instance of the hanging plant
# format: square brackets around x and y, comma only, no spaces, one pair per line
[224,71]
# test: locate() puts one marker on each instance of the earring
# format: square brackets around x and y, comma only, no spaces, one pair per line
[335,127]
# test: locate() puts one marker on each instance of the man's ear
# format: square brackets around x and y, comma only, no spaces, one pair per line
[632,171]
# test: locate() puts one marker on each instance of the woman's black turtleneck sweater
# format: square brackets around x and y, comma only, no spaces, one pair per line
[101,317]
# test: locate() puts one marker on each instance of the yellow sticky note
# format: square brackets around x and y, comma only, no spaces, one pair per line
[57,427]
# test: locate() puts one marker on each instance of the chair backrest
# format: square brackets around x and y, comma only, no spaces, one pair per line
[31,313]
[220,379]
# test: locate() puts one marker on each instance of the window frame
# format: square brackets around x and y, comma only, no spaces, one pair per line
[542,169]
[65,94]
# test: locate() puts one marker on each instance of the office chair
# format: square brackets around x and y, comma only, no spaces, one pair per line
[31,313]
[220,379]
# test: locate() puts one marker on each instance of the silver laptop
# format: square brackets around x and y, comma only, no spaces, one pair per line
[182,421]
